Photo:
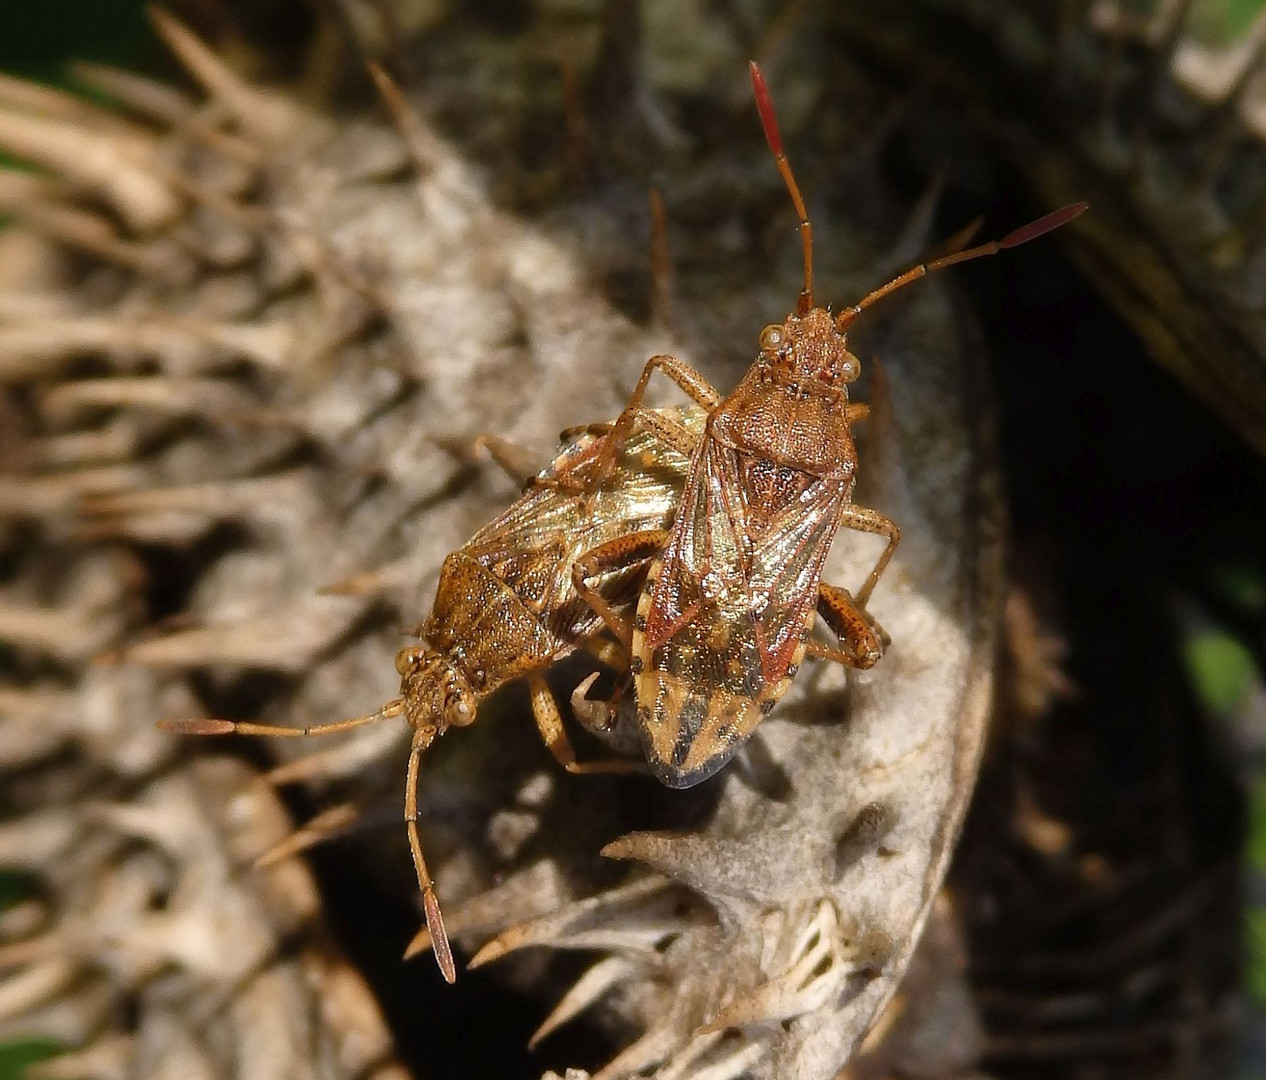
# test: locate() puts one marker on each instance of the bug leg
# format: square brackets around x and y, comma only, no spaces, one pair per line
[669,432]
[694,385]
[618,554]
[549,722]
[863,641]
[676,435]
[607,651]
[865,520]
[568,434]
[422,738]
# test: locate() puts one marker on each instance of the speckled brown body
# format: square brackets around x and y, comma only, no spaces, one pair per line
[505,605]
[724,618]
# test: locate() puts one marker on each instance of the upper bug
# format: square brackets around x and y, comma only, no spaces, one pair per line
[724,618]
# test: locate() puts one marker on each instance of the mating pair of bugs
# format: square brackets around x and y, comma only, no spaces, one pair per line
[716,518]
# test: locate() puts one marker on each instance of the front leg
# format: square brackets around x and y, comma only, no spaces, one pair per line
[618,554]
[696,387]
[865,520]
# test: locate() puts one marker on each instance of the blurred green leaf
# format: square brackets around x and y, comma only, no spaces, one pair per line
[1221,669]
[17,1056]
[1257,955]
[1223,22]
[39,39]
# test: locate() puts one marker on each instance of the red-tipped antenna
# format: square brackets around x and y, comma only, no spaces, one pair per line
[1022,235]
[765,106]
[421,740]
[430,903]
[204,726]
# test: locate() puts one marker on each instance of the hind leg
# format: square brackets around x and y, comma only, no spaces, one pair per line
[862,639]
[549,722]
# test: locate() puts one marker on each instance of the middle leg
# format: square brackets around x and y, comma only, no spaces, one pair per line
[691,382]
[865,520]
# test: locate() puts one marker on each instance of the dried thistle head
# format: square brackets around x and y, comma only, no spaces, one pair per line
[239,404]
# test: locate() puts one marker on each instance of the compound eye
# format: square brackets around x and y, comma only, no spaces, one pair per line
[772,337]
[460,708]
[407,659]
[850,368]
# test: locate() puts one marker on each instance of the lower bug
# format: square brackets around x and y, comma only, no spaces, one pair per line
[506,607]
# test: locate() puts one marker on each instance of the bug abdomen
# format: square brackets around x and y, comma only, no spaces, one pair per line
[689,734]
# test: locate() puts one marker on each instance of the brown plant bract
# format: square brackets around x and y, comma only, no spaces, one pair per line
[1127,105]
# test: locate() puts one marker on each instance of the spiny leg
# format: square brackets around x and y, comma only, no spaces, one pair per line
[549,722]
[570,433]
[666,430]
[618,554]
[606,650]
[862,641]
[865,520]
[422,739]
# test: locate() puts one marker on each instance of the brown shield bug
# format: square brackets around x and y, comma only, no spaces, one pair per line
[723,620]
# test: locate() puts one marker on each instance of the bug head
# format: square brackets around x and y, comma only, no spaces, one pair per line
[435,692]
[810,346]
[809,343]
